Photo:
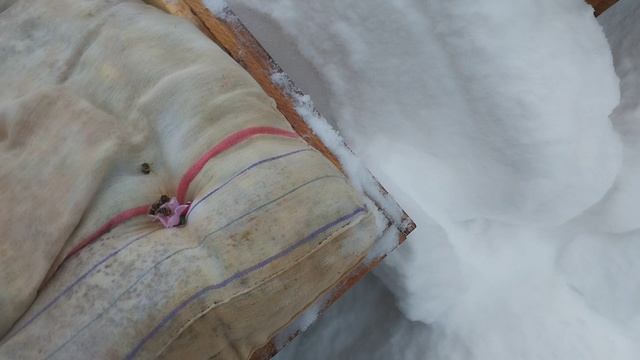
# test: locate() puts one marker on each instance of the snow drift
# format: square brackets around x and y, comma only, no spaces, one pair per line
[488,121]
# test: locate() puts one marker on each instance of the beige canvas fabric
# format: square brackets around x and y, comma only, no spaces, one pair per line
[91,89]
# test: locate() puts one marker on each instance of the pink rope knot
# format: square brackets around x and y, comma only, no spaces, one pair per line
[171,213]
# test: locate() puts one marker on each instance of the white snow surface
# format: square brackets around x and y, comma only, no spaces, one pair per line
[618,213]
[489,122]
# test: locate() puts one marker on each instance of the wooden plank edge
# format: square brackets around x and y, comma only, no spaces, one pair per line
[600,6]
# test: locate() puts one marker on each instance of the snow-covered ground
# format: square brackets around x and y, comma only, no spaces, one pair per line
[489,122]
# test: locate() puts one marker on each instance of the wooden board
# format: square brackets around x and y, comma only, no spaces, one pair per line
[600,6]
[232,36]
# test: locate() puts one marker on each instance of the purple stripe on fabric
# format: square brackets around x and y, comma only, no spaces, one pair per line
[73,284]
[198,202]
[200,243]
[239,275]
[83,276]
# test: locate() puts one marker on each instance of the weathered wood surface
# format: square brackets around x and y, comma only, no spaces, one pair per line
[600,6]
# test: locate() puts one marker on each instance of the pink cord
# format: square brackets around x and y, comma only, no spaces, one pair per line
[113,222]
[225,144]
[183,187]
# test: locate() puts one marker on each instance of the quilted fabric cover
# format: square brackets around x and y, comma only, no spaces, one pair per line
[91,89]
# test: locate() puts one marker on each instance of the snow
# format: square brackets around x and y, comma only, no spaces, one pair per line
[613,215]
[488,121]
